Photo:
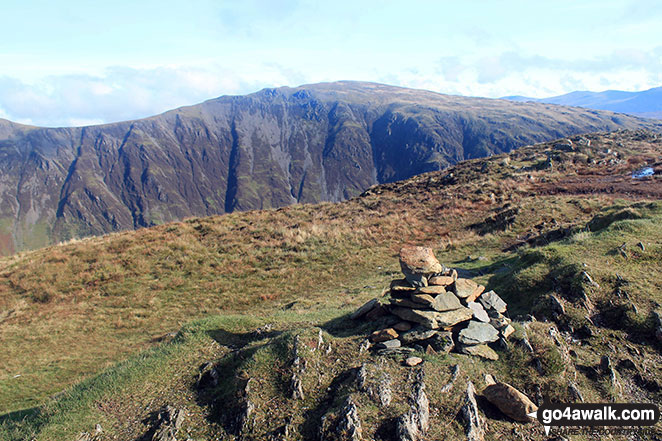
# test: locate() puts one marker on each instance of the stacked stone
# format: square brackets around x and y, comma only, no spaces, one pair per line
[434,310]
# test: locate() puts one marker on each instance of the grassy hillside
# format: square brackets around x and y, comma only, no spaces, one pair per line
[527,225]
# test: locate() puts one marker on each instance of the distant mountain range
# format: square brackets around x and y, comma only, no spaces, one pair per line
[647,104]
[320,142]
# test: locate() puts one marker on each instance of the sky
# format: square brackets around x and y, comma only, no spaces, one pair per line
[80,62]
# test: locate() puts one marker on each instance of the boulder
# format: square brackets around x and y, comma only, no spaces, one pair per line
[417,263]
[446,302]
[383,335]
[491,301]
[482,351]
[479,312]
[510,401]
[477,333]
[441,281]
[363,310]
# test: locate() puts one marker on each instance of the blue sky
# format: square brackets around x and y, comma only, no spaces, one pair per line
[83,62]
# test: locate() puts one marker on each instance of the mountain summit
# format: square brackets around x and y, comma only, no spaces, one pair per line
[320,142]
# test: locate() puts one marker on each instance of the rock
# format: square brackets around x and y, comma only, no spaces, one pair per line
[407,303]
[402,285]
[431,289]
[425,318]
[402,326]
[464,288]
[296,387]
[168,423]
[417,263]
[406,428]
[482,351]
[477,333]
[395,352]
[419,333]
[491,301]
[389,344]
[455,371]
[479,312]
[446,302]
[510,401]
[448,319]
[413,361]
[349,427]
[489,379]
[556,306]
[377,312]
[442,342]
[507,331]
[575,393]
[441,281]
[474,424]
[477,292]
[413,425]
[586,278]
[526,345]
[208,376]
[383,335]
[384,392]
[605,363]
[423,299]
[499,321]
[363,310]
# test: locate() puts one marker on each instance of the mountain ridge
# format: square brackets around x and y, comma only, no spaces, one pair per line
[646,103]
[276,147]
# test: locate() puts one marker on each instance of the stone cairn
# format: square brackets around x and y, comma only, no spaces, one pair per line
[433,310]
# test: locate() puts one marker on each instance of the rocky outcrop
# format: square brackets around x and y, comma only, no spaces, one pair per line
[474,423]
[168,423]
[413,425]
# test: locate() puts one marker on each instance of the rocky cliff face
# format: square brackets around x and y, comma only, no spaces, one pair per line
[324,142]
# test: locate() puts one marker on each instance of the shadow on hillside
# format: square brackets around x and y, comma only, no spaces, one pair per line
[239,340]
[344,326]
[23,421]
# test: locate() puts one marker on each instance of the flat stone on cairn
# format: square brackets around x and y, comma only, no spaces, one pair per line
[417,264]
[430,302]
